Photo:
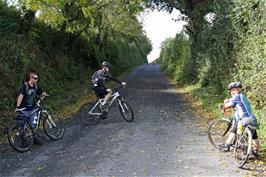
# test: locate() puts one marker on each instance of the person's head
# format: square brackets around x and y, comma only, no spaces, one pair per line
[32,76]
[106,66]
[235,88]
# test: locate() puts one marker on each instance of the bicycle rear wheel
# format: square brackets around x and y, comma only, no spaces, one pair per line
[20,136]
[89,119]
[53,126]
[242,148]
[218,132]
[126,111]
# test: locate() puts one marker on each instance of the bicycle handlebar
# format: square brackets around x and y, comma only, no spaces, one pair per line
[39,99]
[19,110]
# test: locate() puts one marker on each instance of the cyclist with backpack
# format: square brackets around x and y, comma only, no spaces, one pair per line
[27,96]
[243,114]
[98,81]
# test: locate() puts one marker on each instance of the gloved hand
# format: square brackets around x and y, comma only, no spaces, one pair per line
[123,83]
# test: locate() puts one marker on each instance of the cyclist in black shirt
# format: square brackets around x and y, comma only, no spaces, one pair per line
[98,80]
[27,95]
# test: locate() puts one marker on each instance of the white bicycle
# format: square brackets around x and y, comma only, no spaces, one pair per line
[94,112]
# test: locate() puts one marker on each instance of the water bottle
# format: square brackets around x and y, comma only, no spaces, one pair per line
[239,128]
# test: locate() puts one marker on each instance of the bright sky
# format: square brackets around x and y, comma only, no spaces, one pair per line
[159,26]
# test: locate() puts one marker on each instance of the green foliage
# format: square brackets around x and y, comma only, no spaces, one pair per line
[175,55]
[66,41]
[228,48]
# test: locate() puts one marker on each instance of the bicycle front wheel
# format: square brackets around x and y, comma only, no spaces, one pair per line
[20,136]
[242,148]
[126,111]
[53,126]
[218,132]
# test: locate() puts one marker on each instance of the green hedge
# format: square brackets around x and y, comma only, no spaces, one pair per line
[64,61]
[230,48]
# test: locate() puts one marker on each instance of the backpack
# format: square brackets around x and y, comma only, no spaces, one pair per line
[93,78]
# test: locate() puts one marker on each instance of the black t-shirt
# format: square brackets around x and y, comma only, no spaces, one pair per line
[29,94]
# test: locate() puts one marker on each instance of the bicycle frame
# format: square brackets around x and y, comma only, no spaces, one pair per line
[100,101]
[39,112]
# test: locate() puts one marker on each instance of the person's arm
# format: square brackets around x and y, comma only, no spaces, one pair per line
[22,92]
[41,92]
[229,103]
[20,98]
[114,79]
[227,106]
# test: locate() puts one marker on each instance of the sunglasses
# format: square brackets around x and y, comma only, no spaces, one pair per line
[35,78]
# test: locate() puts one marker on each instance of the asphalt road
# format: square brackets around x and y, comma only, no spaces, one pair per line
[165,139]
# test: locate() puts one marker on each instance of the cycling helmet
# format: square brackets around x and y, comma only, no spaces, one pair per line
[105,63]
[234,85]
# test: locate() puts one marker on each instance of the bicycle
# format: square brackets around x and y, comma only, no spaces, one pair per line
[21,132]
[218,131]
[94,114]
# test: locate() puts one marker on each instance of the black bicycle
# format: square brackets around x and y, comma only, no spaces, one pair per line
[21,133]
[93,114]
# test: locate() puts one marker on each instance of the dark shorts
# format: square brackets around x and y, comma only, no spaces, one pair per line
[100,91]
[246,121]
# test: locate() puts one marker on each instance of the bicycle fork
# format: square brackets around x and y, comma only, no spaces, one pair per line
[50,122]
[123,106]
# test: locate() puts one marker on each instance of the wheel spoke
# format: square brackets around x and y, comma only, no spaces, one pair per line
[53,126]
[20,138]
[218,131]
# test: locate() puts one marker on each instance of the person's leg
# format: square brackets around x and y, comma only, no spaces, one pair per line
[231,138]
[256,144]
[107,96]
[32,118]
[22,120]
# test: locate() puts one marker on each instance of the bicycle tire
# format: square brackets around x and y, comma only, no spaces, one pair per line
[53,126]
[218,132]
[19,141]
[126,109]
[242,148]
[87,118]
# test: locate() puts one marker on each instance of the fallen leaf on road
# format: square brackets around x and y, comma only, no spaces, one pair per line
[40,167]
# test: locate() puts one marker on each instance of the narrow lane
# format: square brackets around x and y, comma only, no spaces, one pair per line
[165,139]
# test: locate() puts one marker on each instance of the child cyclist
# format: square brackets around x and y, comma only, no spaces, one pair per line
[243,115]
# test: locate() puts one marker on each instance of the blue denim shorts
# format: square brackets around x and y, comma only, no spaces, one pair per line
[32,118]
